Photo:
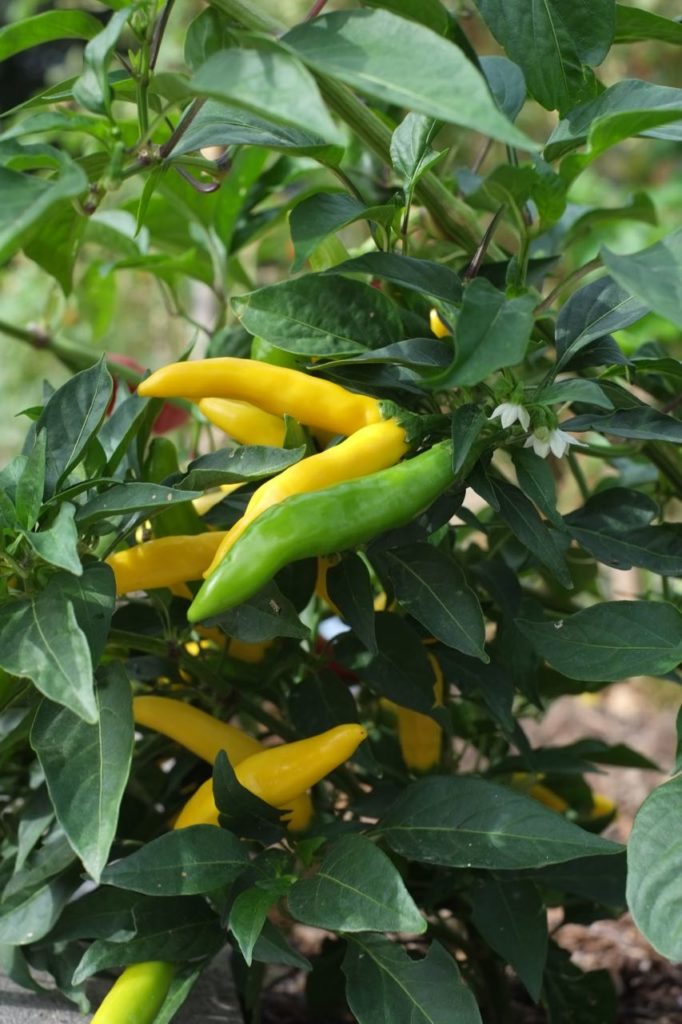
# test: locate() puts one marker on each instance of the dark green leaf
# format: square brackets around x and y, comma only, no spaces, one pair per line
[433,589]
[322,214]
[188,862]
[29,916]
[41,640]
[552,42]
[266,615]
[467,423]
[586,392]
[654,275]
[383,983]
[240,809]
[634,25]
[86,766]
[506,83]
[610,641]
[576,997]
[411,154]
[431,13]
[468,822]
[58,545]
[417,353]
[24,33]
[118,430]
[93,89]
[55,242]
[492,332]
[70,418]
[319,315]
[210,32]
[356,889]
[270,84]
[423,276]
[249,912]
[401,670]
[248,462]
[643,423]
[122,499]
[592,312]
[512,919]
[28,496]
[93,596]
[536,481]
[36,814]
[28,199]
[272,948]
[401,62]
[350,588]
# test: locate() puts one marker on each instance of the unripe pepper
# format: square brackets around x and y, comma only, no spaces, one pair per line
[206,736]
[137,995]
[368,450]
[322,523]
[277,389]
[420,737]
[164,562]
[244,422]
[279,774]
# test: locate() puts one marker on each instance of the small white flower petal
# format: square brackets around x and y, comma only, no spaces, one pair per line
[558,443]
[523,417]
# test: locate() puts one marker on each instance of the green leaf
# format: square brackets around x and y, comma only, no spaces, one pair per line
[28,496]
[122,499]
[423,276]
[218,124]
[634,25]
[58,545]
[655,869]
[86,766]
[610,641]
[467,423]
[171,932]
[29,916]
[517,186]
[188,862]
[512,919]
[270,84]
[36,815]
[586,392]
[433,589]
[120,428]
[324,213]
[431,13]
[613,526]
[272,948]
[628,108]
[356,889]
[572,995]
[43,28]
[416,353]
[592,312]
[70,418]
[536,481]
[492,332]
[93,596]
[249,912]
[55,242]
[643,424]
[411,154]
[654,275]
[208,33]
[28,200]
[41,640]
[507,84]
[263,617]
[466,822]
[383,983]
[93,89]
[553,42]
[320,315]
[401,62]
[350,588]
[401,670]
[248,462]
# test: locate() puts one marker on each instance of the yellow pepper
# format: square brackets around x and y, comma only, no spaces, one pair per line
[276,389]
[280,774]
[420,737]
[137,995]
[246,423]
[206,502]
[370,449]
[164,562]
[440,327]
[205,736]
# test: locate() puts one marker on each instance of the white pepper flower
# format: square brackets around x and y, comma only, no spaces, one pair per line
[510,413]
[543,441]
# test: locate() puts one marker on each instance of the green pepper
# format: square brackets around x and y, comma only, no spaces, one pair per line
[322,523]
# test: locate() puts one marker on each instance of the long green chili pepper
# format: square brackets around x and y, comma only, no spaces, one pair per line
[321,523]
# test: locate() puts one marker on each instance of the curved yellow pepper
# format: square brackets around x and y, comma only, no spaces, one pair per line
[279,774]
[438,325]
[137,995]
[246,423]
[368,450]
[420,737]
[164,562]
[276,389]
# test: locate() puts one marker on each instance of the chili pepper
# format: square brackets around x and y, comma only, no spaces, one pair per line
[279,774]
[277,389]
[206,501]
[164,562]
[321,523]
[324,564]
[246,423]
[137,995]
[183,518]
[439,325]
[205,736]
[367,450]
[420,737]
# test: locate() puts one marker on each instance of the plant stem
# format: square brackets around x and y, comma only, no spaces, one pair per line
[74,356]
[181,127]
[157,35]
[578,475]
[453,216]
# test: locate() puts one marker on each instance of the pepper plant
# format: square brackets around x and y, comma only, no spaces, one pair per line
[383,219]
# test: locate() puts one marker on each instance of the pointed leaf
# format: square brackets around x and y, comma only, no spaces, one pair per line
[512,919]
[593,312]
[58,545]
[654,275]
